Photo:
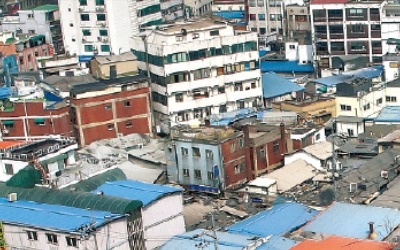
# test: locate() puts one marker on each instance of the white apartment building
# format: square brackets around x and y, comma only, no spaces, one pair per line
[200,68]
[102,27]
[199,8]
[171,10]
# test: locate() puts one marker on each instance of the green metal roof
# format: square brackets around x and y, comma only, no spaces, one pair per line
[96,181]
[25,178]
[47,7]
[74,199]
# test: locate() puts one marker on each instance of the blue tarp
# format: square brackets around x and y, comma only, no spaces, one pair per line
[286,66]
[5,92]
[84,58]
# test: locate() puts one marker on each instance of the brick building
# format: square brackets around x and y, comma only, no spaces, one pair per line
[208,159]
[110,108]
[34,119]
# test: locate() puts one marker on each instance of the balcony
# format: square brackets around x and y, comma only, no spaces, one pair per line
[335,18]
[319,19]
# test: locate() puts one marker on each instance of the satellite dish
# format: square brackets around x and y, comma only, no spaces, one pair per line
[183,32]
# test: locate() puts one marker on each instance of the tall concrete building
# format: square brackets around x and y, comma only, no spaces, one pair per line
[199,69]
[102,27]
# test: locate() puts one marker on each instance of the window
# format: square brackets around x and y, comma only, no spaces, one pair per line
[366,106]
[350,132]
[241,142]
[179,97]
[9,168]
[214,33]
[88,48]
[356,12]
[185,151]
[103,32]
[222,109]
[110,126]
[261,17]
[101,17]
[221,90]
[291,46]
[358,28]
[261,153]
[197,173]
[379,101]
[210,175]
[39,121]
[232,147]
[107,107]
[72,242]
[127,103]
[209,154]
[185,172]
[263,31]
[85,17]
[52,238]
[345,107]
[86,32]
[128,124]
[99,2]
[240,168]
[83,2]
[252,17]
[196,151]
[32,235]
[201,73]
[357,46]
[275,147]
[31,31]
[105,48]
[391,98]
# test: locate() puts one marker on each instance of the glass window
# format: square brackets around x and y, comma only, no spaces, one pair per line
[99,2]
[88,48]
[85,17]
[9,169]
[103,32]
[261,17]
[83,2]
[32,235]
[86,32]
[197,173]
[105,48]
[101,17]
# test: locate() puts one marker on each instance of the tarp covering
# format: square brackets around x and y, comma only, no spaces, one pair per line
[74,199]
[25,178]
[96,181]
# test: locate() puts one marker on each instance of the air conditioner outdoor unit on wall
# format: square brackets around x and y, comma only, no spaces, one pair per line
[12,197]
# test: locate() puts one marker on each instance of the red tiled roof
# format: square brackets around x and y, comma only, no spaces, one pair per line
[8,144]
[328,1]
[342,243]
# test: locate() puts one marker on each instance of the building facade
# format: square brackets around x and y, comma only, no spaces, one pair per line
[199,69]
[94,27]
[211,160]
[341,28]
[233,11]
[42,20]
[198,8]
[34,119]
[110,108]
[171,10]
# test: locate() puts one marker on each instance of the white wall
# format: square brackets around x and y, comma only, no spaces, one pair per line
[316,163]
[114,235]
[162,220]
[291,51]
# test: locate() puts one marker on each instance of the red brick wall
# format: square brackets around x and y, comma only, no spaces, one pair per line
[98,113]
[275,157]
[231,159]
[261,161]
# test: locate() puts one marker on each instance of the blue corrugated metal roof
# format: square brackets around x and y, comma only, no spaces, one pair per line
[48,216]
[230,14]
[275,85]
[189,240]
[5,92]
[277,243]
[286,66]
[135,190]
[388,114]
[371,72]
[351,220]
[270,222]
[227,118]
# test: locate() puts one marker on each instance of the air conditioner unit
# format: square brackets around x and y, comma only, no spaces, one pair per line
[6,131]
[353,187]
[12,197]
[385,174]
[99,8]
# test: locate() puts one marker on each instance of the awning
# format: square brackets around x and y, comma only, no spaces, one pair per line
[39,120]
[7,122]
[54,159]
